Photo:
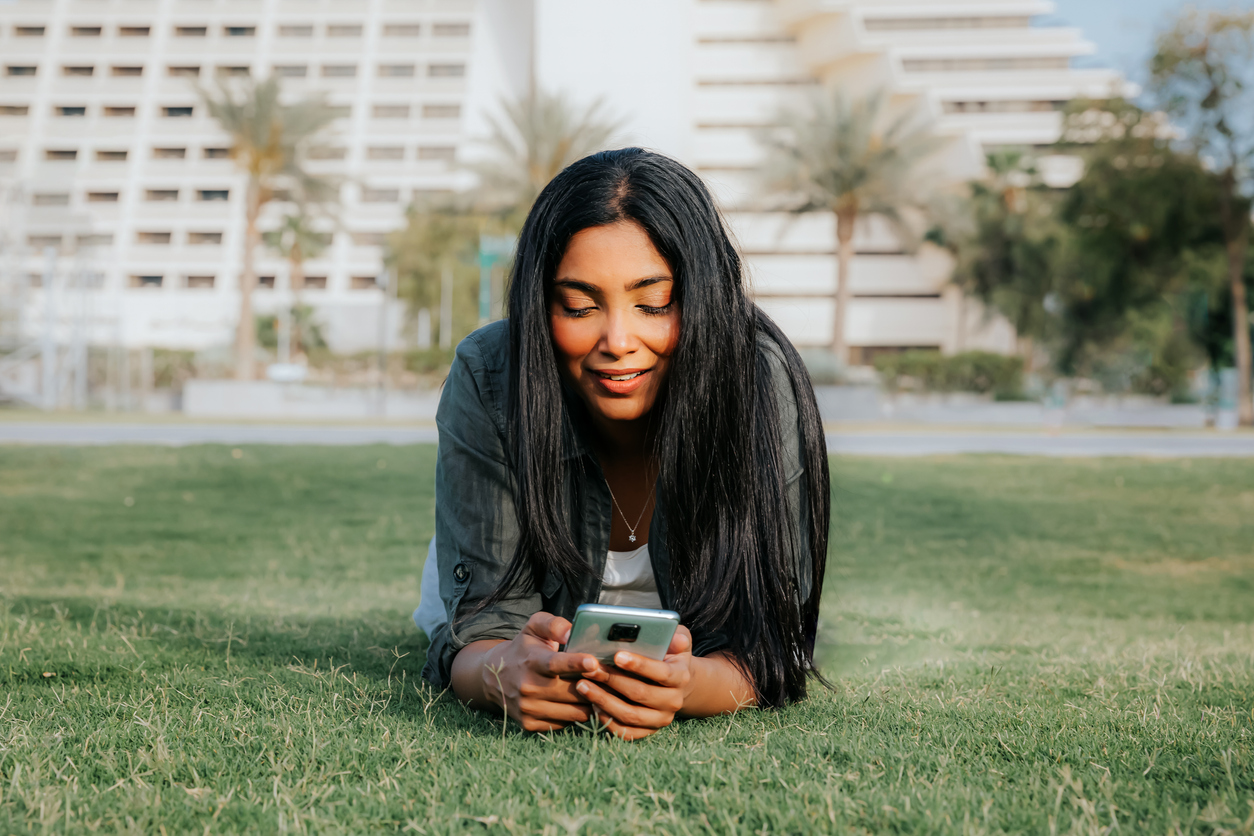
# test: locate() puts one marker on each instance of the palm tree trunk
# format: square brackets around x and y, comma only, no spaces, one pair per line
[1235,215]
[1241,328]
[296,278]
[246,329]
[846,217]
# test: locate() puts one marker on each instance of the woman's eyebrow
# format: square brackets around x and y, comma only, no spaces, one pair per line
[575,284]
[639,283]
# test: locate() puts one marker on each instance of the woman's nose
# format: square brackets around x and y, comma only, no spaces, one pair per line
[619,339]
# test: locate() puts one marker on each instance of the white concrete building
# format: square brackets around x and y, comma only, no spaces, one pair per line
[106,151]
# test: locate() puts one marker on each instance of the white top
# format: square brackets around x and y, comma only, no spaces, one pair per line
[629,581]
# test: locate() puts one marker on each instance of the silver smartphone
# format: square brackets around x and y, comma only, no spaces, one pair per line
[602,630]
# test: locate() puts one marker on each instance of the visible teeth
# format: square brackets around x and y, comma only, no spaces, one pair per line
[626,376]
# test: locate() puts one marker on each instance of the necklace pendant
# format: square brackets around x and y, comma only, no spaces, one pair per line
[631,537]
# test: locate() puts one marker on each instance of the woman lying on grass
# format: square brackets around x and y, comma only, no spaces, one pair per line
[639,433]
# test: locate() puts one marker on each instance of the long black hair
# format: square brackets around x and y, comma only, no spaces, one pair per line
[739,569]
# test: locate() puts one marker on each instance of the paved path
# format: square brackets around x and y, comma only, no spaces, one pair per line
[870,442]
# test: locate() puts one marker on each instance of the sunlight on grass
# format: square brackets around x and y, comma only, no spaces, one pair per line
[1016,646]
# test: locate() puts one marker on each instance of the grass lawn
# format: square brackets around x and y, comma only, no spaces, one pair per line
[197,640]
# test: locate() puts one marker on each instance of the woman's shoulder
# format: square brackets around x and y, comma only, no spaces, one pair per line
[477,378]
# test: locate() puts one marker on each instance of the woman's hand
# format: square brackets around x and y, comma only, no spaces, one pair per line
[523,675]
[638,696]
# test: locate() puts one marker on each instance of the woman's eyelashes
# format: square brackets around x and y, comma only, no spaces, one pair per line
[572,310]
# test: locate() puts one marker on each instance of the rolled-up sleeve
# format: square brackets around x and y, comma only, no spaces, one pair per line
[475,519]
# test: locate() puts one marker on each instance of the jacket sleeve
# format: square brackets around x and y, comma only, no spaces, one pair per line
[475,520]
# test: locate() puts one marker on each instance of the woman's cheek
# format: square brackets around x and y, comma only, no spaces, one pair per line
[574,338]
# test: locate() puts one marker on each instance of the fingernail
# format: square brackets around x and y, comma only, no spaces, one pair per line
[621,659]
[589,664]
[582,687]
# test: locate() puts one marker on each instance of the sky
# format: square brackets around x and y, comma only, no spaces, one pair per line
[1124,30]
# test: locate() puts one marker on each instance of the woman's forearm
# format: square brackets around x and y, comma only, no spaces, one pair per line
[467,679]
[717,687]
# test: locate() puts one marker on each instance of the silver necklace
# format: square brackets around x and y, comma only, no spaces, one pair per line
[630,528]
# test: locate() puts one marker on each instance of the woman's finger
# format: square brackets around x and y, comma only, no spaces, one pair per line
[554,712]
[666,673]
[625,732]
[643,692]
[626,713]
[559,664]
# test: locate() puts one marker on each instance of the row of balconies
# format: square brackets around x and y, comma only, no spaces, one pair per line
[137,33]
[22,77]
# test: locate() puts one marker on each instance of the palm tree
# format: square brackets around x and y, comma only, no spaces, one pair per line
[296,240]
[542,134]
[267,138]
[838,155]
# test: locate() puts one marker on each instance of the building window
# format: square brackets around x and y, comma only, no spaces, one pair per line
[28,31]
[364,283]
[217,153]
[344,30]
[446,70]
[315,283]
[369,195]
[51,199]
[441,111]
[327,152]
[401,30]
[111,156]
[183,71]
[960,65]
[85,31]
[396,70]
[200,282]
[204,238]
[177,112]
[446,153]
[155,238]
[128,110]
[161,195]
[133,31]
[451,30]
[145,281]
[169,153]
[60,155]
[1004,106]
[94,239]
[8,155]
[390,111]
[102,197]
[14,110]
[211,195]
[41,241]
[239,31]
[385,153]
[291,70]
[70,110]
[339,70]
[77,70]
[265,281]
[191,31]
[340,111]
[20,70]
[296,31]
[234,71]
[369,239]
[126,72]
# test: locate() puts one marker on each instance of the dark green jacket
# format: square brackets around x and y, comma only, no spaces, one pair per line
[476,522]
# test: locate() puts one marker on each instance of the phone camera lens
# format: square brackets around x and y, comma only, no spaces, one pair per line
[624,632]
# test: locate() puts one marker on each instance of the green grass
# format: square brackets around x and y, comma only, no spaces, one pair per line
[193,642]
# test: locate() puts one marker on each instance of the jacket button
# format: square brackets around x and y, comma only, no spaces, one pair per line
[460,572]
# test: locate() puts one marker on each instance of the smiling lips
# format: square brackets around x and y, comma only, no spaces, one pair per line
[621,381]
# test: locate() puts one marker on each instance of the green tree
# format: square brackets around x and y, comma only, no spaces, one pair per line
[434,260]
[297,239]
[1203,74]
[1142,228]
[1005,240]
[267,138]
[845,156]
[540,135]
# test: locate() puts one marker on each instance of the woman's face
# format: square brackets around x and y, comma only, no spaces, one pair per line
[614,321]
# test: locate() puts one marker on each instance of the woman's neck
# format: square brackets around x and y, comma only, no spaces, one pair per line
[623,442]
